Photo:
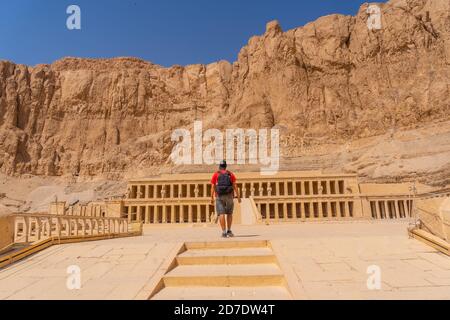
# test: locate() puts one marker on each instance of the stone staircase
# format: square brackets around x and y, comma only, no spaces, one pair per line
[224,270]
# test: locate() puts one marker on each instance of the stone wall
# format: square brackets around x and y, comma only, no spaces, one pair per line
[434,214]
[6,231]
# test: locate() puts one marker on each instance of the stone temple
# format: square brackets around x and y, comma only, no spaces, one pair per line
[299,235]
[286,196]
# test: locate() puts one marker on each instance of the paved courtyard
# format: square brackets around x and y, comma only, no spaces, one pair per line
[319,261]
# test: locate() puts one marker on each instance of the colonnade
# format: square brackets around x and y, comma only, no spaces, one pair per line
[200,212]
[167,190]
[391,208]
[304,210]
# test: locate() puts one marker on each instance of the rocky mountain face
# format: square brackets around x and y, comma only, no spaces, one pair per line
[330,82]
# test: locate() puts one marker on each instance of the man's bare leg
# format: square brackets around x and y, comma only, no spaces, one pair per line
[229,221]
[222,222]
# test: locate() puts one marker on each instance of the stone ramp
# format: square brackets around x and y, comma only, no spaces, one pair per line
[245,270]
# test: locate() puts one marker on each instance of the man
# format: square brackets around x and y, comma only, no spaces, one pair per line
[224,189]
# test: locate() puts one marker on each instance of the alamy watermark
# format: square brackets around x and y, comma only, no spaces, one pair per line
[263,147]
[374,20]
[73,281]
[374,279]
[73,22]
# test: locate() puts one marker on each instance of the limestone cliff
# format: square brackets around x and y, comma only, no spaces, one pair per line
[332,80]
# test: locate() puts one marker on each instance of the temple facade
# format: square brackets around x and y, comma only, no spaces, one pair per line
[287,196]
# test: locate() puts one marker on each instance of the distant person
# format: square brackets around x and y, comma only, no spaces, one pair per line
[224,190]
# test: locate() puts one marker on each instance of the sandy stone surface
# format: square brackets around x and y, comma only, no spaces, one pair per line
[323,260]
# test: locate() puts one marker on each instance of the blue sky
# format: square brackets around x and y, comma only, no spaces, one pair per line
[165,32]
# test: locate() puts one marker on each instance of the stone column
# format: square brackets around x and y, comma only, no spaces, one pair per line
[38,229]
[205,191]
[285,213]
[69,227]
[348,209]
[172,214]
[190,214]
[155,215]
[16,230]
[398,209]
[319,204]
[199,214]
[91,227]
[30,221]
[181,213]
[26,227]
[305,205]
[164,214]
[208,213]
[377,212]
[76,227]
[294,209]
[129,213]
[277,214]
[147,214]
[345,213]
[386,210]
[83,227]
[294,188]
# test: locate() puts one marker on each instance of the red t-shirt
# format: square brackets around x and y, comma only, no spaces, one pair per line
[215,177]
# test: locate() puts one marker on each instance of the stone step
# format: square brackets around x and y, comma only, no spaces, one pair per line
[226,256]
[224,281]
[223,293]
[227,244]
[225,269]
[255,251]
[225,275]
[230,260]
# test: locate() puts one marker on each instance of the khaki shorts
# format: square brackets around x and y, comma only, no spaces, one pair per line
[225,204]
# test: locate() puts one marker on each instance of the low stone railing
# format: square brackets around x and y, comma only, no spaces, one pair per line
[36,232]
[30,228]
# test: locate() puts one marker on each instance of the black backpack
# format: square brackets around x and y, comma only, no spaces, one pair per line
[224,185]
